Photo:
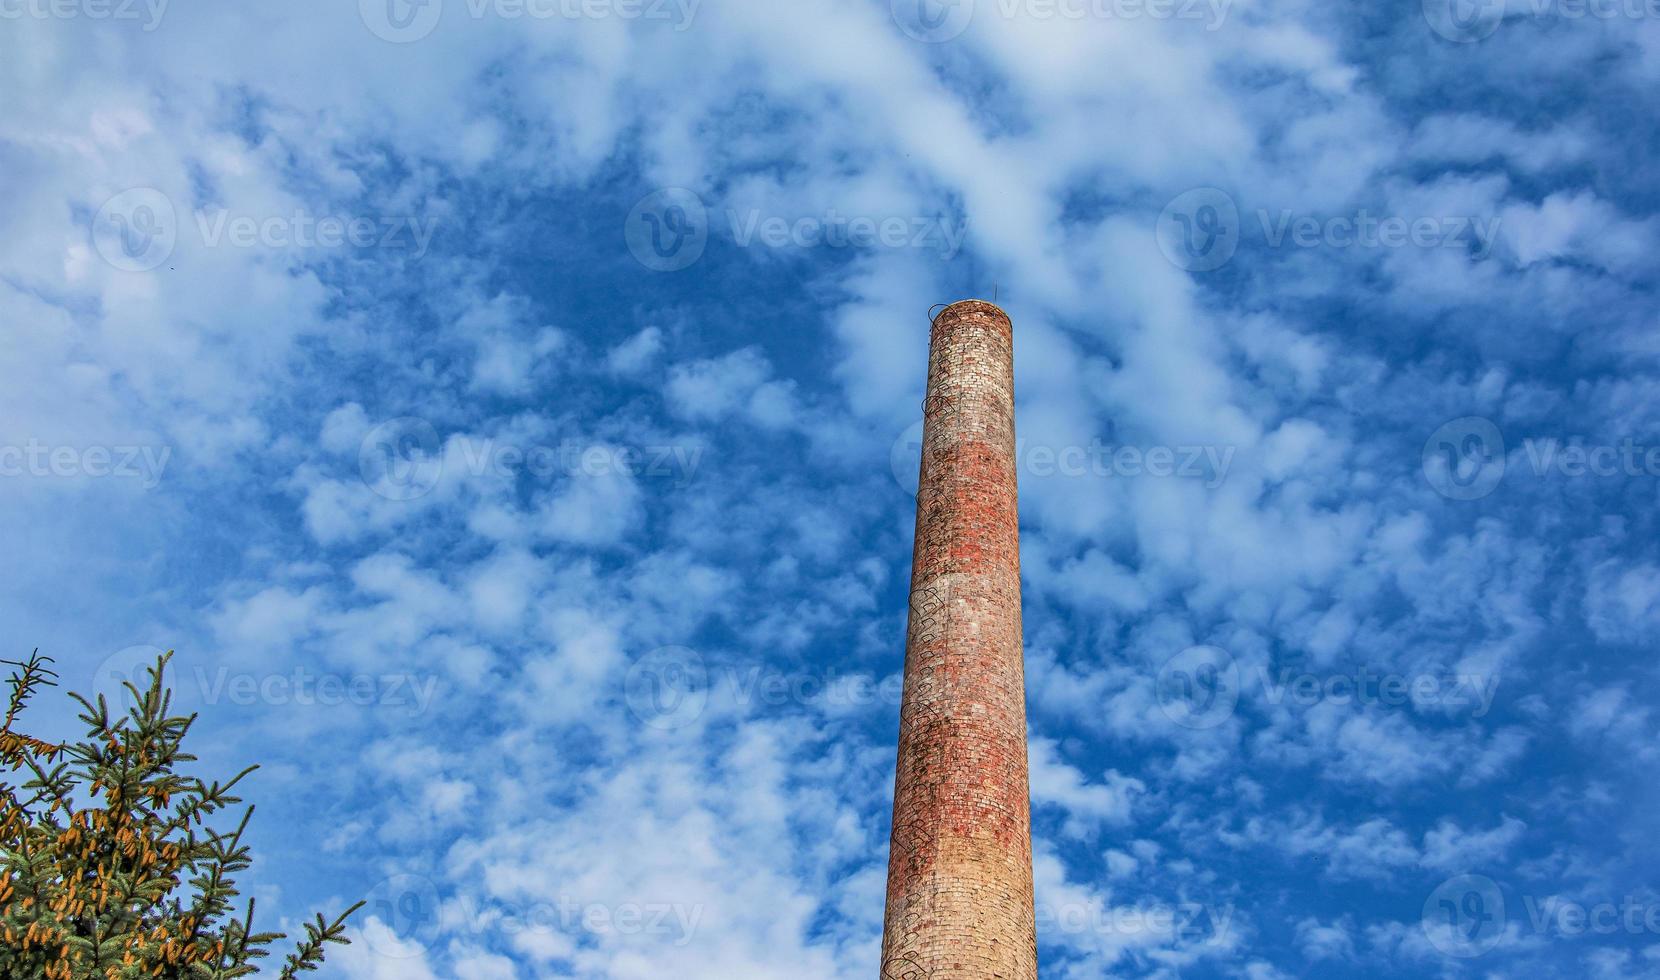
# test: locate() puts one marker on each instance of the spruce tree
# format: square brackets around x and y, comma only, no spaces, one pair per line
[114,864]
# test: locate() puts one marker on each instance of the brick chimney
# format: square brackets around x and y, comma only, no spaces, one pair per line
[959,903]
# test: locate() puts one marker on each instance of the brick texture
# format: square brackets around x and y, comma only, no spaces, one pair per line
[959,903]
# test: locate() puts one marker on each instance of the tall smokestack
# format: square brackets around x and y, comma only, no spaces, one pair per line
[960,860]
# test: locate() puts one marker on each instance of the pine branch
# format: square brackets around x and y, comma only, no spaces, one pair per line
[309,956]
[30,674]
[89,893]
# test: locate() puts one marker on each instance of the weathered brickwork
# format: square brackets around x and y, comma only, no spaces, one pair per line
[960,862]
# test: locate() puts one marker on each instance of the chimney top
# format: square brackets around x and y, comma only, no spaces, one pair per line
[986,306]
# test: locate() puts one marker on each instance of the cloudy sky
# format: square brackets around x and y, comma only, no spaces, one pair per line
[507,409]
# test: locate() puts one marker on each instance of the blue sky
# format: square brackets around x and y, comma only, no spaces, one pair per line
[504,409]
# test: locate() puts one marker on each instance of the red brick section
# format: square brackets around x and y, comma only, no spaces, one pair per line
[960,861]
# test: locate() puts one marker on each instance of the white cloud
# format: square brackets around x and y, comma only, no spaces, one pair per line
[738,383]
[263,370]
[1325,941]
[1088,806]
[634,355]
[1623,602]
